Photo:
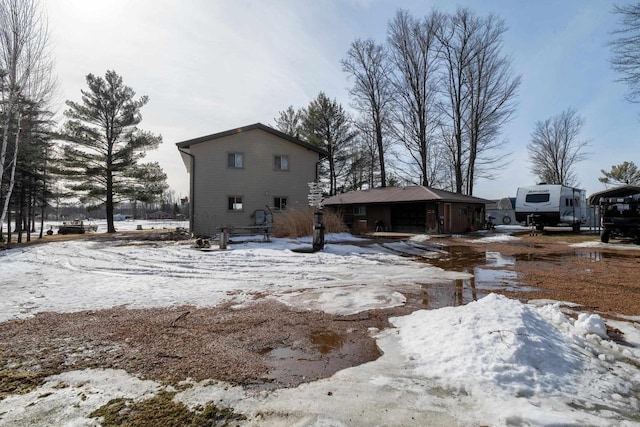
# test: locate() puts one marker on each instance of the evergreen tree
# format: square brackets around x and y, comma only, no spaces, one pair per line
[289,121]
[327,125]
[624,173]
[104,146]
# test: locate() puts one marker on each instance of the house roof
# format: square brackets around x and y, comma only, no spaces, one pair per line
[188,143]
[415,193]
[621,191]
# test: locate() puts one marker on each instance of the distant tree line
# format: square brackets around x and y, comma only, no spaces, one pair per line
[94,159]
[168,204]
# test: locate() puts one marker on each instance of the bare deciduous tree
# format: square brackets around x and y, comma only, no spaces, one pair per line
[412,50]
[456,37]
[26,78]
[626,49]
[366,62]
[555,148]
[478,89]
[492,88]
[365,163]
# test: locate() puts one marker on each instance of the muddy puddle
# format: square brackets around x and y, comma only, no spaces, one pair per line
[328,353]
[492,271]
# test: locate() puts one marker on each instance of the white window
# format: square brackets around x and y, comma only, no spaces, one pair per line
[280,203]
[281,163]
[235,160]
[235,203]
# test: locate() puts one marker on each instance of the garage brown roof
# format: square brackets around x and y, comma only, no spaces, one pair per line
[415,193]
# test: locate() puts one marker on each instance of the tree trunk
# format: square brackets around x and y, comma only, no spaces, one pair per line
[12,179]
[9,236]
[29,217]
[332,173]
[383,173]
[20,218]
[42,208]
[109,203]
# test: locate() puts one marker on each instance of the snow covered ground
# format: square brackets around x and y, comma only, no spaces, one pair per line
[491,362]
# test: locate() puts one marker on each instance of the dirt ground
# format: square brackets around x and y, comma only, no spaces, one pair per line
[602,280]
[267,345]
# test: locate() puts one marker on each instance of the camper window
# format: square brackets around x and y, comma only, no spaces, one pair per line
[537,198]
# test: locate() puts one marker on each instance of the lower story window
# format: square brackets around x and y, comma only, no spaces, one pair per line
[280,203]
[235,203]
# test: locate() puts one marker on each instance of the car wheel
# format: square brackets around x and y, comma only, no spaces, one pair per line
[506,220]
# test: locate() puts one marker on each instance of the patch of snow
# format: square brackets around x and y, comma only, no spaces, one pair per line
[497,259]
[591,324]
[68,398]
[598,244]
[340,279]
[496,238]
[420,238]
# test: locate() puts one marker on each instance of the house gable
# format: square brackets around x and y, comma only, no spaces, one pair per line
[208,138]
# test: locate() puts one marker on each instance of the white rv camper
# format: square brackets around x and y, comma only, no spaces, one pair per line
[551,204]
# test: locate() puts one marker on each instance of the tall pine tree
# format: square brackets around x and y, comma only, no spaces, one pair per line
[104,146]
[327,125]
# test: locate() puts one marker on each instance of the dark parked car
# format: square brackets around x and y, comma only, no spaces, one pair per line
[76,227]
[619,212]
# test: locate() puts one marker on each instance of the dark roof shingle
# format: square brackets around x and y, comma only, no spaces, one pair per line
[415,193]
[213,136]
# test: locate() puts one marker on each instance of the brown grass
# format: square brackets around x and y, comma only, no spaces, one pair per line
[163,410]
[299,222]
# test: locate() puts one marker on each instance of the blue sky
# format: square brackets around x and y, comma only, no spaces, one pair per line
[210,66]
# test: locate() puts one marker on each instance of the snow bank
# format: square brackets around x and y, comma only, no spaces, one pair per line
[528,366]
[494,340]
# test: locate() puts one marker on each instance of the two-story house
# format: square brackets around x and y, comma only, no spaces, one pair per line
[238,176]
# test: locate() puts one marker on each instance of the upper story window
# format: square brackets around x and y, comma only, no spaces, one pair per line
[280,203]
[235,203]
[281,163]
[235,160]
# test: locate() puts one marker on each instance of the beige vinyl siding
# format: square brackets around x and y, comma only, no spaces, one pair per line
[257,182]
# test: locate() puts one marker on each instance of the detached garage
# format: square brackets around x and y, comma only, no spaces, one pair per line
[413,209]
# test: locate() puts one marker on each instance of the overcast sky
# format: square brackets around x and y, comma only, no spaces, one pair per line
[210,66]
